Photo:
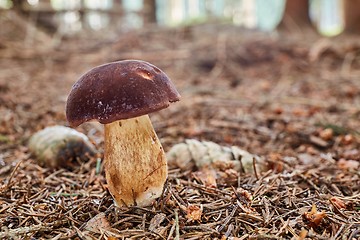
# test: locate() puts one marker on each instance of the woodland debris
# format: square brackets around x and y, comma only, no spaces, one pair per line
[348,164]
[338,203]
[194,212]
[59,146]
[207,176]
[193,153]
[156,221]
[314,218]
[98,223]
[36,198]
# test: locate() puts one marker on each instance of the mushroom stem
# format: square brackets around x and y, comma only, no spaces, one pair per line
[135,163]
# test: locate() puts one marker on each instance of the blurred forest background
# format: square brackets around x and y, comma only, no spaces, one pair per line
[70,17]
[279,79]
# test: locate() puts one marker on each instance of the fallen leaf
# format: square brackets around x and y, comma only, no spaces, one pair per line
[228,177]
[352,154]
[243,195]
[156,221]
[112,238]
[194,212]
[326,134]
[97,223]
[223,165]
[306,159]
[348,164]
[314,218]
[338,203]
[319,142]
[276,162]
[302,234]
[347,139]
[207,176]
[299,112]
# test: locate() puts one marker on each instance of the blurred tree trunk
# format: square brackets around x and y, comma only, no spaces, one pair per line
[82,13]
[296,16]
[118,5]
[18,6]
[119,14]
[352,16]
[149,9]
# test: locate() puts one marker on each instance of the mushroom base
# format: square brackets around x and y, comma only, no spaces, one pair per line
[134,161]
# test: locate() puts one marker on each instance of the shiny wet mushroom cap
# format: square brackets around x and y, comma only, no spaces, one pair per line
[119,90]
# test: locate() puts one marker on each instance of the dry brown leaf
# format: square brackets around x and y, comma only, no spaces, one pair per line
[302,234]
[194,213]
[276,162]
[243,195]
[228,177]
[97,223]
[223,237]
[156,221]
[207,176]
[326,134]
[299,112]
[112,238]
[338,203]
[314,218]
[348,164]
[223,165]
[347,139]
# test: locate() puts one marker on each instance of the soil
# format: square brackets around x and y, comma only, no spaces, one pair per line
[293,99]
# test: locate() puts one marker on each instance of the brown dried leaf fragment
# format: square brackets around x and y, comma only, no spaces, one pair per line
[302,234]
[314,218]
[347,139]
[275,162]
[194,213]
[98,223]
[338,203]
[227,177]
[206,176]
[326,134]
[112,238]
[243,195]
[156,221]
[348,164]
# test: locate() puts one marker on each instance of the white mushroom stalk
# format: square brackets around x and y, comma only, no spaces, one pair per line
[135,163]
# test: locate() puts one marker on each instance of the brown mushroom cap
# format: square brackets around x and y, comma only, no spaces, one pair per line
[119,90]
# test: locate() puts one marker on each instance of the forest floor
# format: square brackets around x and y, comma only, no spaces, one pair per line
[292,99]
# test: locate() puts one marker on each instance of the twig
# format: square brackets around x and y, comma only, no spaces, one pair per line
[229,230]
[172,229]
[339,232]
[177,230]
[11,176]
[346,65]
[24,230]
[228,218]
[254,166]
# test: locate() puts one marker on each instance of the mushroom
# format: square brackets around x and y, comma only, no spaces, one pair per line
[120,95]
